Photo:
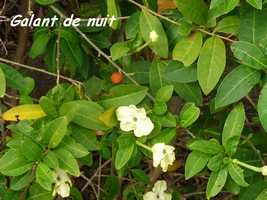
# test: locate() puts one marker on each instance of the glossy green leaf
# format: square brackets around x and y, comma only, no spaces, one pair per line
[237,174]
[262,107]
[236,85]
[189,92]
[211,64]
[182,75]
[39,45]
[126,147]
[39,193]
[119,50]
[233,128]
[195,163]
[132,26]
[262,195]
[149,23]
[156,76]
[30,149]
[20,182]
[57,128]
[67,162]
[113,10]
[216,183]
[77,150]
[44,176]
[187,50]
[12,163]
[165,93]
[249,54]
[255,3]
[229,25]
[124,95]
[253,24]
[188,115]
[83,113]
[206,146]
[194,10]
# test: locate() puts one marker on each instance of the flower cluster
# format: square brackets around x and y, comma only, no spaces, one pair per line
[134,119]
[62,184]
[158,192]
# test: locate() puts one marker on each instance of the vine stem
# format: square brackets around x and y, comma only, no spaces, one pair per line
[74,82]
[100,52]
[143,146]
[177,23]
[245,165]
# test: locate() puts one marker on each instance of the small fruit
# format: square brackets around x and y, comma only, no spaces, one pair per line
[116,77]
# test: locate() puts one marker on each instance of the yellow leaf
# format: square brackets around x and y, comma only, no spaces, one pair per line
[108,117]
[24,112]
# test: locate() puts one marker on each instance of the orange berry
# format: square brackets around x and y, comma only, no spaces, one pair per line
[116,77]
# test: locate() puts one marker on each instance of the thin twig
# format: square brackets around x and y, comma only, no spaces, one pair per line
[100,52]
[75,82]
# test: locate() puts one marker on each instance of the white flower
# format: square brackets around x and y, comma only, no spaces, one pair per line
[264,170]
[163,155]
[153,36]
[158,192]
[134,119]
[62,184]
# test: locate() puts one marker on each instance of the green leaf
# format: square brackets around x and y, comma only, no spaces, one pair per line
[237,174]
[83,113]
[216,183]
[12,163]
[20,182]
[77,150]
[156,80]
[139,71]
[262,107]
[236,85]
[164,94]
[48,106]
[262,195]
[195,162]
[140,175]
[45,2]
[255,3]
[51,160]
[124,95]
[55,131]
[187,50]
[216,162]
[111,188]
[126,148]
[211,64]
[182,75]
[188,115]
[67,162]
[194,10]
[16,81]
[39,45]
[119,50]
[229,25]
[253,24]
[149,23]
[189,92]
[2,83]
[38,193]
[44,176]
[218,8]
[249,54]
[233,128]
[132,26]
[113,10]
[31,150]
[166,136]
[206,146]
